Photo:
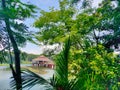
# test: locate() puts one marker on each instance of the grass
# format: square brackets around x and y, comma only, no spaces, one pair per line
[4,64]
[25,62]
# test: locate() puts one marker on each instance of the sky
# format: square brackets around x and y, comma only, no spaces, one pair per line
[44,5]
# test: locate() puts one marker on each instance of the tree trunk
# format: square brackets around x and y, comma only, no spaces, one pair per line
[17,76]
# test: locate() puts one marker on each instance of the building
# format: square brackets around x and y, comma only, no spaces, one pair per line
[43,62]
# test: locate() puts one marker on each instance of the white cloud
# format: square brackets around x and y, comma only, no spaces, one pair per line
[96,2]
[32,48]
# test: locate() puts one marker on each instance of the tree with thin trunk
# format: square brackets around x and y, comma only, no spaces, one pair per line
[16,10]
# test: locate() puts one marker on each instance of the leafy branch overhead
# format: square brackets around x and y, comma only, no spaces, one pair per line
[56,25]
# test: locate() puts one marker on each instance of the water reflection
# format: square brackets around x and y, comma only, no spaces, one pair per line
[5,79]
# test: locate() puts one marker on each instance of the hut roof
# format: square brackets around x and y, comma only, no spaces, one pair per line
[41,58]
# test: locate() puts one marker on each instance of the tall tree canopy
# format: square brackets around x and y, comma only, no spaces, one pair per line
[90,22]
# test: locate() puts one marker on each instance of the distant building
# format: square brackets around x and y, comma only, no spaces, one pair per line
[43,62]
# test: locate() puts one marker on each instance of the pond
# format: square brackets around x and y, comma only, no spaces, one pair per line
[6,74]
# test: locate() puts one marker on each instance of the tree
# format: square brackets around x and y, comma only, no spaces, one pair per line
[18,11]
[55,25]
[110,23]
[27,57]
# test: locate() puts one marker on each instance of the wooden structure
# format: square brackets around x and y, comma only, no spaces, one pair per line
[43,61]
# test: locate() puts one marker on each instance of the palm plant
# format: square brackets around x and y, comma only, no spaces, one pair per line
[61,75]
[59,81]
[29,79]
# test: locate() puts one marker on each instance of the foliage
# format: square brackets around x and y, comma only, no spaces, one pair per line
[3,56]
[27,57]
[55,25]
[19,11]
[62,72]
[107,15]
[91,62]
[96,69]
[93,22]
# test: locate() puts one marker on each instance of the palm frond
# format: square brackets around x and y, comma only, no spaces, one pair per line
[29,79]
[53,81]
[72,83]
[61,76]
[62,68]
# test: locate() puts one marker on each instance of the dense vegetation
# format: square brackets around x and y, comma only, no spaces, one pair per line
[93,31]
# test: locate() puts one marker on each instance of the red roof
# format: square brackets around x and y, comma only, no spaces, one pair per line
[41,58]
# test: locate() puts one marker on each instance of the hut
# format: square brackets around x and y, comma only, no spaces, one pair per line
[49,64]
[43,61]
